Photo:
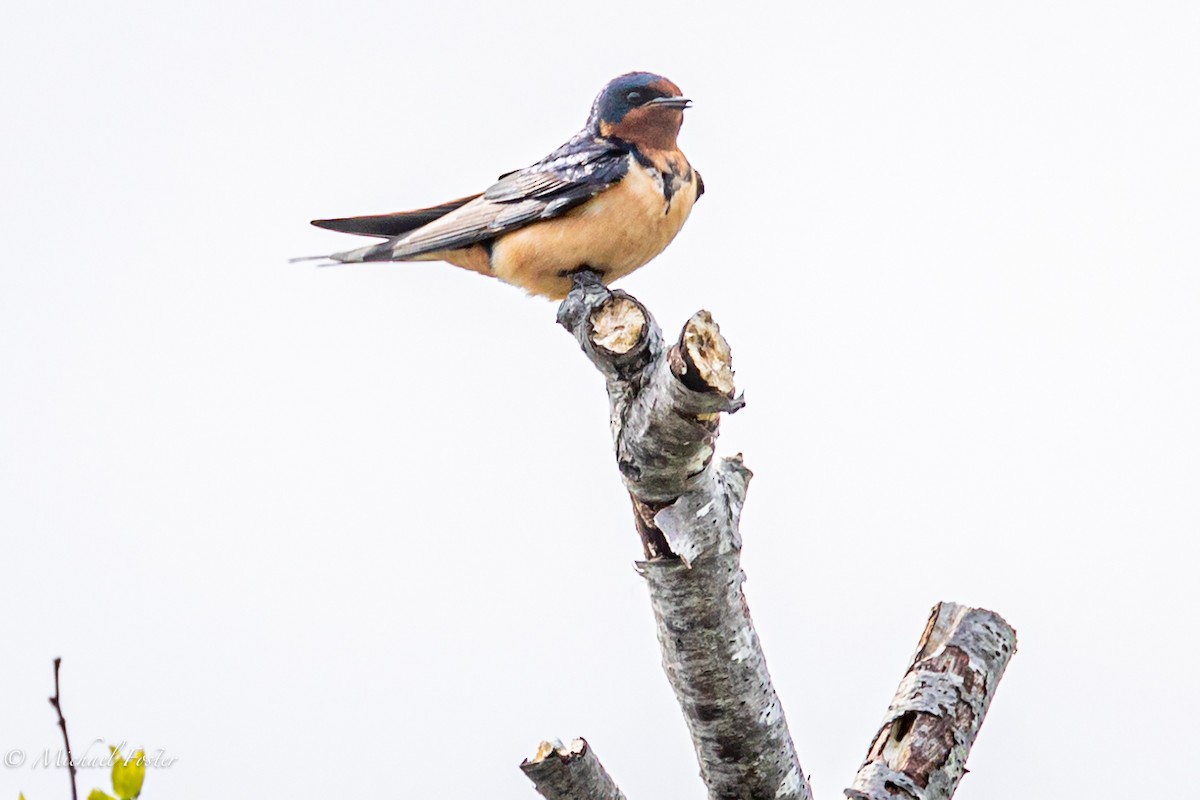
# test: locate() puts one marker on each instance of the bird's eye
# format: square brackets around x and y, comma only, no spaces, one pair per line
[634,98]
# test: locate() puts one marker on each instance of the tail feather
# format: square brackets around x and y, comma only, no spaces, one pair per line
[389,226]
[375,252]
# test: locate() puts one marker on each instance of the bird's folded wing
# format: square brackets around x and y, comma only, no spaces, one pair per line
[577,171]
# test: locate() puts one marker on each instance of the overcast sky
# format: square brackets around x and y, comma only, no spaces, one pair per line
[358,532]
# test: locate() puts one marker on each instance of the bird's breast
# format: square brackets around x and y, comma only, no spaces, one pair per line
[614,232]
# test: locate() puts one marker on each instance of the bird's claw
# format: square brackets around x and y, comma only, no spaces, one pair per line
[586,278]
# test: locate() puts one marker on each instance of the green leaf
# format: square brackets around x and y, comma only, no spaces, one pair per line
[128,774]
[99,795]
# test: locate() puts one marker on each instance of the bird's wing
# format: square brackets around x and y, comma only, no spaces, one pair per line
[392,225]
[575,172]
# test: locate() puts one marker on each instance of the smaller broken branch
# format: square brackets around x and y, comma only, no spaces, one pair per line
[571,772]
[701,358]
[921,750]
[62,723]
[616,331]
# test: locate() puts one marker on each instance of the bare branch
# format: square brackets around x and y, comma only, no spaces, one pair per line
[663,410]
[711,652]
[921,750]
[664,404]
[572,772]
[62,723]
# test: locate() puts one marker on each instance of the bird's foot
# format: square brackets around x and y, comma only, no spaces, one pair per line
[585,277]
[587,289]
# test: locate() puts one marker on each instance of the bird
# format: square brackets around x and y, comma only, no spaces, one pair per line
[607,201]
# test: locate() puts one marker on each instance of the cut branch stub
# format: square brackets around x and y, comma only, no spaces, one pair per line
[663,405]
[616,332]
[702,359]
[571,772]
[921,750]
[618,326]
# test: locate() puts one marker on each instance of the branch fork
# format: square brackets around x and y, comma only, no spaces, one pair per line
[665,402]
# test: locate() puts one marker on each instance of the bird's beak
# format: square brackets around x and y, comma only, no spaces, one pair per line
[671,102]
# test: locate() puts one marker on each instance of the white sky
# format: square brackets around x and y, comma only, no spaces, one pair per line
[358,531]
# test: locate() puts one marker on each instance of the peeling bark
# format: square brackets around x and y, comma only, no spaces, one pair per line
[665,401]
[711,652]
[569,772]
[663,414]
[921,750]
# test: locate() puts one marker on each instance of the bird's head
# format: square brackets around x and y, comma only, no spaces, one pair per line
[641,108]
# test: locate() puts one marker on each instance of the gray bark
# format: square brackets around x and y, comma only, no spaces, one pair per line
[920,751]
[665,403]
[711,652]
[569,773]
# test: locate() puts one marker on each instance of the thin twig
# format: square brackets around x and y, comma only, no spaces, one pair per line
[62,723]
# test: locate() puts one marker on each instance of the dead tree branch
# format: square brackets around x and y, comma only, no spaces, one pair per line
[569,772]
[921,750]
[665,401]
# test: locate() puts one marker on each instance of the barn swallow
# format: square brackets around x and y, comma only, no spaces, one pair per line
[609,200]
